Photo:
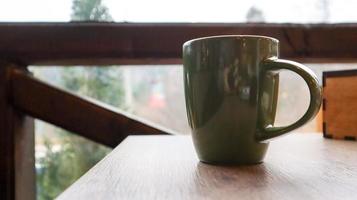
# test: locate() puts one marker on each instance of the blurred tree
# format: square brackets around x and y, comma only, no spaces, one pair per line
[255,15]
[61,167]
[90,10]
[324,7]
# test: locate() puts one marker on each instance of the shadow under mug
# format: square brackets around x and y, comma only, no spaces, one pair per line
[231,90]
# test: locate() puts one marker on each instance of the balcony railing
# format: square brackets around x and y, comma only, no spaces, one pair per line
[23,97]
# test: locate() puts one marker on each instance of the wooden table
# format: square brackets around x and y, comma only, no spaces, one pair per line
[298,166]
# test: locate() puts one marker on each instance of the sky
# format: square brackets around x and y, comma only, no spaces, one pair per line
[293,11]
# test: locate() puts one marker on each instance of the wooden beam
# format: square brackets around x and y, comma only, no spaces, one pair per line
[157,43]
[17,161]
[85,117]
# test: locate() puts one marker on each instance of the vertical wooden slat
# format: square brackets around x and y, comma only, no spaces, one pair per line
[25,174]
[17,163]
[6,141]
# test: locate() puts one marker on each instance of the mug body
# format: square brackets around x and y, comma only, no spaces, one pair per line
[228,96]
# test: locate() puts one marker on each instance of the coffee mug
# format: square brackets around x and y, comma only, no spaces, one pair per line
[231,90]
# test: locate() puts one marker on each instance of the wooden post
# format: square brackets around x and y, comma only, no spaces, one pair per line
[17,161]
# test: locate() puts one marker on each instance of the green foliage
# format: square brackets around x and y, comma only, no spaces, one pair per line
[52,177]
[60,167]
[102,83]
[90,10]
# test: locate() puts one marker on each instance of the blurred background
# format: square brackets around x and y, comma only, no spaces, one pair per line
[152,92]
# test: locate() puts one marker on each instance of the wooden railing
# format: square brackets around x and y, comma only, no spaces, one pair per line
[23,97]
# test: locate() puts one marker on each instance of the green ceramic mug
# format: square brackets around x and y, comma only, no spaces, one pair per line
[231,90]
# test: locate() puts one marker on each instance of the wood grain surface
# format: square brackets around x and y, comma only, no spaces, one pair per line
[340,104]
[160,43]
[298,166]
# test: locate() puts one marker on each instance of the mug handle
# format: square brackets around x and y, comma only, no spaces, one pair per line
[315,96]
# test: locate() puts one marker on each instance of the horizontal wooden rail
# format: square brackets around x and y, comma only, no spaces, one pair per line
[138,43]
[87,118]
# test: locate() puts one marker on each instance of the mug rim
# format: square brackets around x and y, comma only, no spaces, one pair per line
[230,37]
